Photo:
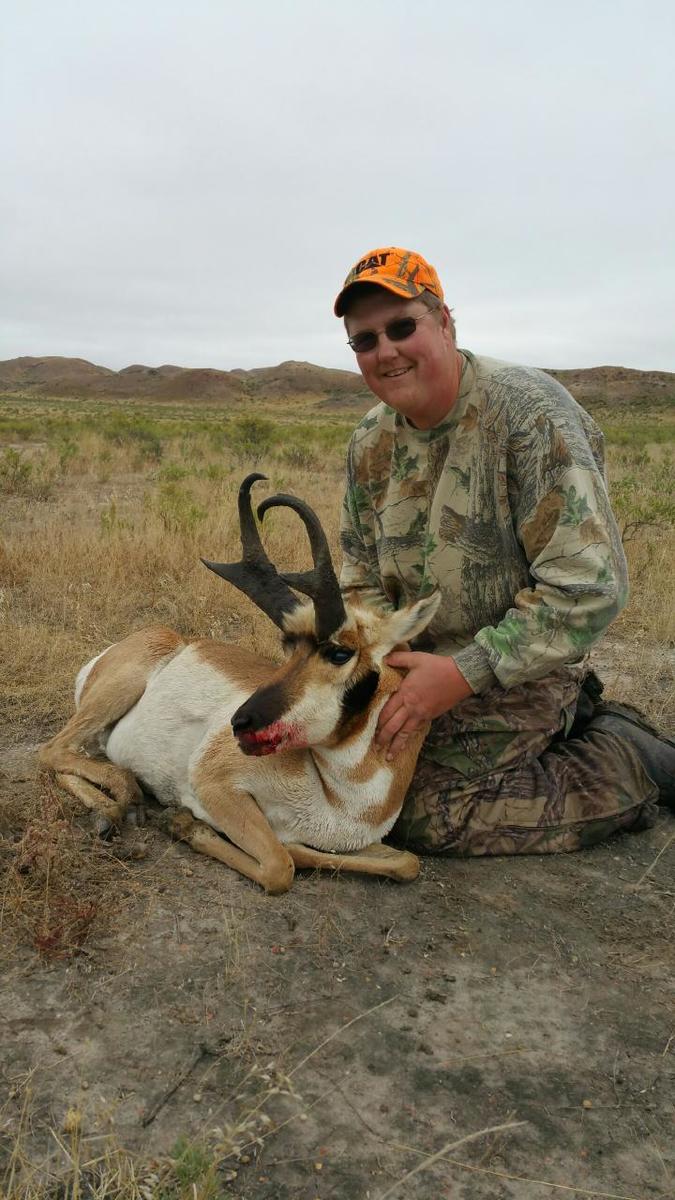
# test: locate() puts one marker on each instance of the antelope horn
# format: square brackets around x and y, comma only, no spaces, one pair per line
[321,583]
[255,575]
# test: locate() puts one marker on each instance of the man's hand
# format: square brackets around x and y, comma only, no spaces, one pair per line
[432,686]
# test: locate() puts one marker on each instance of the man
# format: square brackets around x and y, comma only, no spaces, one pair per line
[484,480]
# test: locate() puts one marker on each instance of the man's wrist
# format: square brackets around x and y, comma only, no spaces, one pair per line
[473,665]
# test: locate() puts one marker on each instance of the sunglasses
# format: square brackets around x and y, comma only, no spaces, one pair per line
[396,331]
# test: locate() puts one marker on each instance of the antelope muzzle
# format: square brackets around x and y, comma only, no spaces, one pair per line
[258,727]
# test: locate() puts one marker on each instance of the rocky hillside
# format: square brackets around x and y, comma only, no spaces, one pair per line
[594,387]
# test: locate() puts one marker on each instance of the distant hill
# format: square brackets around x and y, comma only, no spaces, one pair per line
[75,378]
[78,379]
[621,387]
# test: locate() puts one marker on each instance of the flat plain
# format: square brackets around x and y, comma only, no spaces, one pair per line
[499,1028]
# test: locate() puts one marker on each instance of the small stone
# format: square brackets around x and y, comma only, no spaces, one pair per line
[586,1103]
[197,1097]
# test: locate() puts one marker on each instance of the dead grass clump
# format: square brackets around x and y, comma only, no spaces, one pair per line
[59,882]
[77,1162]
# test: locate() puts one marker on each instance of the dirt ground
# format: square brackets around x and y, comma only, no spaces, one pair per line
[347,1032]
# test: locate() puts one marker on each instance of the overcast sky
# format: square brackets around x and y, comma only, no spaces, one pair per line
[189,182]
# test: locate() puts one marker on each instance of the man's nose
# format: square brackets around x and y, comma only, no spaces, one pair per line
[386,349]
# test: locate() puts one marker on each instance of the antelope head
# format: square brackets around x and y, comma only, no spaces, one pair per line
[333,672]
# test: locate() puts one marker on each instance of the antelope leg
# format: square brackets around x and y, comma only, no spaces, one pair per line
[252,849]
[90,780]
[115,683]
[376,859]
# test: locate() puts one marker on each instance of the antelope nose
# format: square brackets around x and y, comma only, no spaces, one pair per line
[241,721]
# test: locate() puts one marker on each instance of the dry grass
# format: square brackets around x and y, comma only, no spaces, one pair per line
[118,545]
[84,1162]
[99,562]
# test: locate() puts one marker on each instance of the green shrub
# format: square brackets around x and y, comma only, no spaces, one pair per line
[19,477]
[176,508]
[303,458]
[126,430]
[251,438]
[67,450]
[111,521]
[216,473]
[173,473]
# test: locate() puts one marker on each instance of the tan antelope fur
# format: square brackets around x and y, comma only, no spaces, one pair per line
[263,767]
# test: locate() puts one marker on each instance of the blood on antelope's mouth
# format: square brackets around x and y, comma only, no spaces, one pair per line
[269,740]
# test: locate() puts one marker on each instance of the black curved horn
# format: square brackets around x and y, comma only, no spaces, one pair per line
[321,583]
[255,575]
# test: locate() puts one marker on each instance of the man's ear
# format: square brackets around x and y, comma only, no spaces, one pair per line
[403,626]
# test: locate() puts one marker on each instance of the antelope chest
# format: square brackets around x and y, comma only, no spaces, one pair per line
[305,802]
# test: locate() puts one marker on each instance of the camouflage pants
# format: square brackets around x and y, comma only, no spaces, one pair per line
[496,775]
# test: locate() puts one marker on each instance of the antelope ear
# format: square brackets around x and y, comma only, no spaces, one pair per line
[404,625]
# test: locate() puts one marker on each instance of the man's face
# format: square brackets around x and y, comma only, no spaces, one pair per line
[418,376]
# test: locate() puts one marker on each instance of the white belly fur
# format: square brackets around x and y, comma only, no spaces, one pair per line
[181,707]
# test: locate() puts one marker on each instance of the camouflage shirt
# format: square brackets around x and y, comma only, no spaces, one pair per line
[504,508]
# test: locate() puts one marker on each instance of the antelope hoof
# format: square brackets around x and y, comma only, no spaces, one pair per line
[397,864]
[105,828]
[136,815]
[407,868]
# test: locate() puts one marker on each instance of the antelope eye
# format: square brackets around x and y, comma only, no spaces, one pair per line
[337,655]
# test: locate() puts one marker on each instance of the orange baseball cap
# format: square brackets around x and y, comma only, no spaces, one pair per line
[403,272]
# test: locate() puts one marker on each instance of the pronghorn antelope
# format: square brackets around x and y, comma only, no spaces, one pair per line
[196,723]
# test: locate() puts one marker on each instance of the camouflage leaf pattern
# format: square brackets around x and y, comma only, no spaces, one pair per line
[502,507]
[497,775]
